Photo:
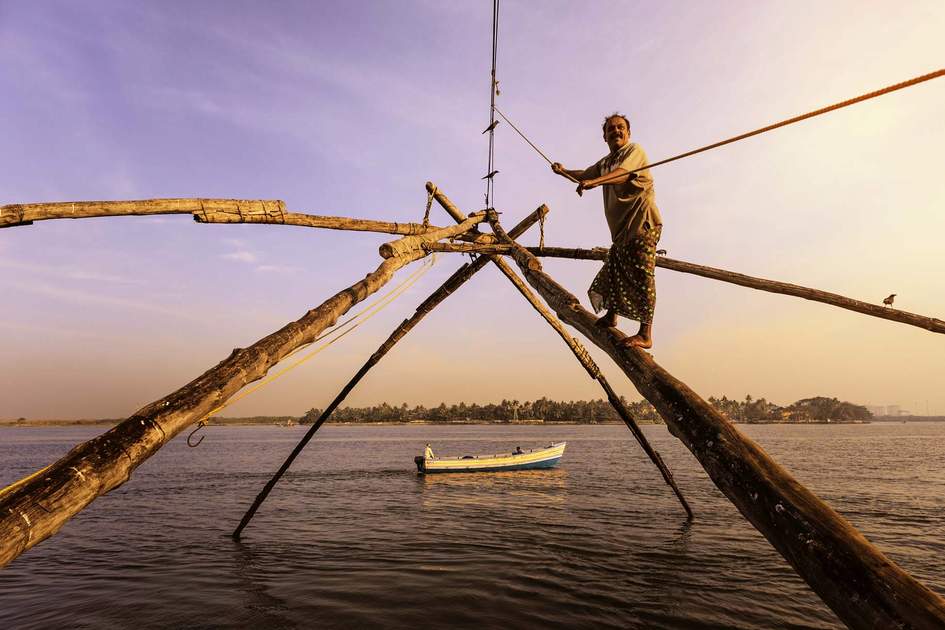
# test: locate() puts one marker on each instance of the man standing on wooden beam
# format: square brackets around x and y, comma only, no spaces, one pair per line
[626,285]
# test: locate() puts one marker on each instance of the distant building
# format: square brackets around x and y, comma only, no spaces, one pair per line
[893,410]
[877,410]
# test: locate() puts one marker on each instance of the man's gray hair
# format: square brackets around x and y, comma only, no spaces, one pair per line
[615,115]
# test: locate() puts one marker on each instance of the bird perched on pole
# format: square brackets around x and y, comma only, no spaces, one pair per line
[490,175]
[889,301]
[492,126]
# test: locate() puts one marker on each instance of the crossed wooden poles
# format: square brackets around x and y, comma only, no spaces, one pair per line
[863,587]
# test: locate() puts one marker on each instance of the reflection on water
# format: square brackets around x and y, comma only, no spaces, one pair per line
[353,537]
[545,487]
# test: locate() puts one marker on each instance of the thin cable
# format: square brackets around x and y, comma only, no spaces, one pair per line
[512,125]
[490,170]
[783,123]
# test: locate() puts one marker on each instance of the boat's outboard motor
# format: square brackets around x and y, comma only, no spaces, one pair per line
[418,460]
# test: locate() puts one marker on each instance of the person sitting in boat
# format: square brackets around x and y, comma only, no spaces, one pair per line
[428,453]
[518,451]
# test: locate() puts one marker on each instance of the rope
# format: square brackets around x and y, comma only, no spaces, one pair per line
[789,121]
[16,484]
[524,137]
[541,230]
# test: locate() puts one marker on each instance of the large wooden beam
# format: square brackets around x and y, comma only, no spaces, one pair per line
[203,211]
[36,508]
[932,324]
[860,584]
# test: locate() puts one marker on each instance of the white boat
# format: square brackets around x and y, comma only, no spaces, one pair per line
[526,460]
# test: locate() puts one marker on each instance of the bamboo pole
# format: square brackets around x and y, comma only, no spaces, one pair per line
[925,322]
[860,584]
[36,509]
[203,211]
[452,283]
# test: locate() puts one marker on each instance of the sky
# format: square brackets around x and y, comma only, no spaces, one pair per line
[348,109]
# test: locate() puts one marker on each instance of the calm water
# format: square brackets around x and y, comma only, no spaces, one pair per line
[353,538]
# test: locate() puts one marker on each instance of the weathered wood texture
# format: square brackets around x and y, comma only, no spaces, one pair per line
[410,243]
[452,283]
[203,210]
[38,508]
[860,584]
[931,324]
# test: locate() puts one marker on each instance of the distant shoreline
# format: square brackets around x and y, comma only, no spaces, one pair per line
[281,422]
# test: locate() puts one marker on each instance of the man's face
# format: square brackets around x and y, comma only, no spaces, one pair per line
[616,133]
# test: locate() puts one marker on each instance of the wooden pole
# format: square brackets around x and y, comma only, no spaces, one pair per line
[860,584]
[931,324]
[409,243]
[579,351]
[36,509]
[270,211]
[445,290]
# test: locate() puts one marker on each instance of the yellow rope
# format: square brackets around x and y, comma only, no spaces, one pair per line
[354,318]
[16,484]
[364,315]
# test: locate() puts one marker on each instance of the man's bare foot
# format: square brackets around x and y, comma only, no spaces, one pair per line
[607,320]
[637,341]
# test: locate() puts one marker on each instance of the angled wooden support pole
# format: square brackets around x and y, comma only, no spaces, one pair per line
[445,290]
[860,584]
[34,510]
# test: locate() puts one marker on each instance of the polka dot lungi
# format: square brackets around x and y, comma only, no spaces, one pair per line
[627,283]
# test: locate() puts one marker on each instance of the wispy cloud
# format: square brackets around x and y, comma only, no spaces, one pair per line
[242,256]
[78,296]
[68,272]
[57,331]
[277,269]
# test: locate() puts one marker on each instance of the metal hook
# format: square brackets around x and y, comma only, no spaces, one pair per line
[200,425]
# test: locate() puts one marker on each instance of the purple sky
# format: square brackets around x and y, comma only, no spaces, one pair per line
[348,108]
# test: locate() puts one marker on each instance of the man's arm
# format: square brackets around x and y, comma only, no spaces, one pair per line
[634,160]
[574,175]
[613,178]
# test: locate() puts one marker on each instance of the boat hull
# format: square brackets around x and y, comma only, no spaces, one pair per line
[530,460]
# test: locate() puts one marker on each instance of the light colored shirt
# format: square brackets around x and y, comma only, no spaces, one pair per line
[428,453]
[630,207]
